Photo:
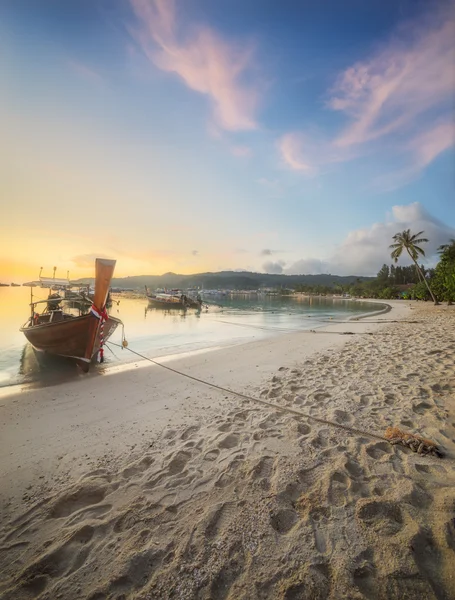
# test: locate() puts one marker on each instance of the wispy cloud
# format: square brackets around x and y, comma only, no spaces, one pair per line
[430,143]
[423,149]
[398,100]
[411,75]
[207,63]
[292,148]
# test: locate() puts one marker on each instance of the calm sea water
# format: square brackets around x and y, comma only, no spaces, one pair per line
[157,332]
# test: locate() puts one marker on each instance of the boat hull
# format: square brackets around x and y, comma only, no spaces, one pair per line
[70,338]
[157,303]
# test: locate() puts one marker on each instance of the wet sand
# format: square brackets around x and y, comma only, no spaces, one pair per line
[147,485]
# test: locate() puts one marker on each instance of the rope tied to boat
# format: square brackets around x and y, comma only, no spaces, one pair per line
[103,317]
[392,435]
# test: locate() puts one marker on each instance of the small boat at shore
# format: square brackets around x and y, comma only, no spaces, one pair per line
[59,332]
[173,299]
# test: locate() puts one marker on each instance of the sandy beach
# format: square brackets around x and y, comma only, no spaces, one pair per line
[143,484]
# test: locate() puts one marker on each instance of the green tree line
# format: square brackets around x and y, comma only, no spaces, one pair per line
[412,282]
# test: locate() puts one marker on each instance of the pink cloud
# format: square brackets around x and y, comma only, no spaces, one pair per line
[428,145]
[207,63]
[399,100]
[405,79]
[292,148]
[423,148]
[308,154]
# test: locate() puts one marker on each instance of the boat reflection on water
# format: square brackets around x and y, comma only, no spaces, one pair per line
[174,314]
[46,369]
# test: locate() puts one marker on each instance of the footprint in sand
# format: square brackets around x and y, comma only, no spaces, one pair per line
[178,462]
[390,399]
[212,455]
[91,512]
[263,468]
[321,396]
[282,521]
[321,439]
[337,490]
[421,408]
[303,429]
[140,569]
[422,468]
[341,416]
[364,573]
[189,432]
[35,586]
[230,441]
[226,577]
[308,477]
[97,596]
[450,533]
[225,427]
[380,516]
[242,415]
[353,468]
[98,474]
[62,560]
[137,468]
[427,557]
[318,518]
[220,518]
[85,495]
[379,450]
[365,400]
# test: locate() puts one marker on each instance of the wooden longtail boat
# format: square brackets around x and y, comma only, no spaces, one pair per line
[79,337]
[166,300]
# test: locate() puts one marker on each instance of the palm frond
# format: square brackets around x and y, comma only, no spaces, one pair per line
[419,250]
[420,241]
[396,253]
[414,235]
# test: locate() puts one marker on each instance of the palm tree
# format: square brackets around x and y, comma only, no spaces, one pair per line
[409,242]
[445,271]
[448,249]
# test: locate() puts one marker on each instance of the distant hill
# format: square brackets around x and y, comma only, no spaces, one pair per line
[236,280]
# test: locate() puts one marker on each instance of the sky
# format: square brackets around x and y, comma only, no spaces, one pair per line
[192,135]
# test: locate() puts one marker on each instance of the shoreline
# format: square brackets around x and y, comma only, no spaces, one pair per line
[148,468]
[37,413]
[20,388]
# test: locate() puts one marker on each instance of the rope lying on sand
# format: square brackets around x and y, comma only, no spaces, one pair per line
[293,330]
[428,448]
[359,320]
[415,442]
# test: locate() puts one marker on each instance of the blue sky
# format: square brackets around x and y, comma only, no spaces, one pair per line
[198,135]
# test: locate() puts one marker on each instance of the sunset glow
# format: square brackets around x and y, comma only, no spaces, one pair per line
[199,136]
